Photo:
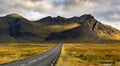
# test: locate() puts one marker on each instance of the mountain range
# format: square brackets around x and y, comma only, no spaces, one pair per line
[15,28]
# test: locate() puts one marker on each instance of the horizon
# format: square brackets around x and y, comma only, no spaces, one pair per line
[107,12]
[63,17]
[59,32]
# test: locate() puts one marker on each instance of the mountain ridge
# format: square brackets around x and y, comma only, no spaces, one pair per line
[15,28]
[60,19]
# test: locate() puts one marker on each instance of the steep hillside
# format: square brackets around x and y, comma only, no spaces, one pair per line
[89,30]
[15,28]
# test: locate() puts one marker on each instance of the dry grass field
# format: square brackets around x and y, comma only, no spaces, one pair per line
[90,55]
[13,52]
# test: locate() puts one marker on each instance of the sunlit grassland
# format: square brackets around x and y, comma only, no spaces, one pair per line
[13,52]
[89,54]
[59,28]
[45,30]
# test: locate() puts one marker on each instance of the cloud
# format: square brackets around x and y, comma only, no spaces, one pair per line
[104,10]
[34,15]
[115,24]
[115,16]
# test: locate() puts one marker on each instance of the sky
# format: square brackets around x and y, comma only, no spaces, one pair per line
[106,11]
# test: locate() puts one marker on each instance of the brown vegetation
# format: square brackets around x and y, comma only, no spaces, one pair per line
[13,52]
[89,54]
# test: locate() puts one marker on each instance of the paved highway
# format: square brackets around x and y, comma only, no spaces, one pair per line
[48,58]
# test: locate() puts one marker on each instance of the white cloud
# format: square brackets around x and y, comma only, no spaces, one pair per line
[115,16]
[44,6]
[34,15]
[25,4]
[104,10]
[115,24]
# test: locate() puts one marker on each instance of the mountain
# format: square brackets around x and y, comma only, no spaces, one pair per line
[89,29]
[15,28]
[53,20]
[61,20]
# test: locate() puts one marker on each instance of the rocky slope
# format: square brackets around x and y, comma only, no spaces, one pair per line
[89,30]
[15,28]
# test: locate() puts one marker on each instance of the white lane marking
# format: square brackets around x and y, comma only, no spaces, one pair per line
[52,64]
[55,60]
[45,56]
[39,58]
[32,61]
[22,65]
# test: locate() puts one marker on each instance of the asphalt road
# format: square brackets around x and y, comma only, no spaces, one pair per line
[48,58]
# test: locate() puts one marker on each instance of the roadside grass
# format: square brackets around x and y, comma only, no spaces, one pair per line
[14,52]
[89,54]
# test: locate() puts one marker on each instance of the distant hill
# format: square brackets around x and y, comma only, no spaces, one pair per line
[15,28]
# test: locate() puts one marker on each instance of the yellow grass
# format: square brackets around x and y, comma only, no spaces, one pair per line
[113,36]
[44,30]
[15,15]
[13,52]
[59,28]
[89,54]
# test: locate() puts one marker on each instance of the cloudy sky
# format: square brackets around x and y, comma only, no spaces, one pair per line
[106,11]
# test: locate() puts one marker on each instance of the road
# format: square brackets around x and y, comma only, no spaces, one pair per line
[48,58]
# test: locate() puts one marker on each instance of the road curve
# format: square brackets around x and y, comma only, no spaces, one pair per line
[46,59]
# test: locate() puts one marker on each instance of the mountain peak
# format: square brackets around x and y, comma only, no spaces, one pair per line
[14,15]
[87,16]
[63,20]
[15,28]
[59,17]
